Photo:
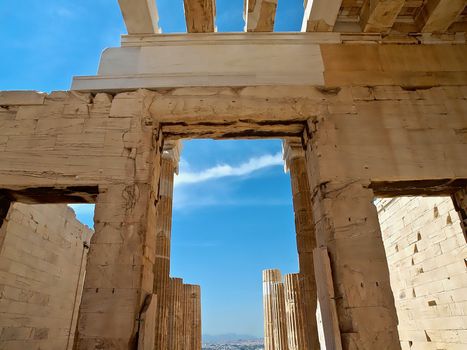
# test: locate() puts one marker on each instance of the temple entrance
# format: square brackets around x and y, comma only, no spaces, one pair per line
[125,153]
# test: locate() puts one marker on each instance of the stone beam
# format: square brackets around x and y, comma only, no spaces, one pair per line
[96,142]
[176,305]
[437,16]
[140,16]
[378,16]
[320,15]
[166,61]
[200,16]
[319,59]
[260,15]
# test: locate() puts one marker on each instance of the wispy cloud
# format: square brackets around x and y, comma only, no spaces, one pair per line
[184,201]
[225,170]
[63,12]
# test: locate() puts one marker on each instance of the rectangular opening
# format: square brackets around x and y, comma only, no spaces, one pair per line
[233,218]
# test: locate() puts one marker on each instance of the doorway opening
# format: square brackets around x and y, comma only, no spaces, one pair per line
[233,218]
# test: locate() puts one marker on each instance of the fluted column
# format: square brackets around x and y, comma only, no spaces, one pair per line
[295,311]
[269,277]
[280,324]
[196,333]
[175,341]
[294,156]
[192,317]
[275,324]
[169,164]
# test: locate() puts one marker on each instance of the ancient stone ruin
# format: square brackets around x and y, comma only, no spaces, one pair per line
[370,100]
[426,251]
[43,251]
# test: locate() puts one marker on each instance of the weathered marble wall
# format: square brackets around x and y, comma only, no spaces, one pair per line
[426,251]
[42,266]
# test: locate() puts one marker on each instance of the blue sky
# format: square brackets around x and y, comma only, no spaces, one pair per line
[233,213]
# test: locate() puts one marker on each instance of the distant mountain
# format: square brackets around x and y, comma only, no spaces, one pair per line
[227,338]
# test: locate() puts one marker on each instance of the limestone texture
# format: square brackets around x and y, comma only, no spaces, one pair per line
[43,251]
[426,250]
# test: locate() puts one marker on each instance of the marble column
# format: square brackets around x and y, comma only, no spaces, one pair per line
[295,161]
[192,317]
[163,223]
[269,277]
[175,341]
[280,324]
[197,332]
[295,312]
[275,324]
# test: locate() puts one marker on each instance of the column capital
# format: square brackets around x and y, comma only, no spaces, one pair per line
[291,150]
[171,151]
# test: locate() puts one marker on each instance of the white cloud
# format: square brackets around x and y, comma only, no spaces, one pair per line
[184,201]
[64,12]
[224,170]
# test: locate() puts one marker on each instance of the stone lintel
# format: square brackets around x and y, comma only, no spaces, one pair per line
[320,15]
[200,16]
[140,16]
[260,15]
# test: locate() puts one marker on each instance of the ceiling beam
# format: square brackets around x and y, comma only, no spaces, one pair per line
[438,15]
[200,16]
[320,15]
[378,16]
[140,16]
[260,15]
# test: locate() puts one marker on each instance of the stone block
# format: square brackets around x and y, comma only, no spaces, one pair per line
[10,98]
